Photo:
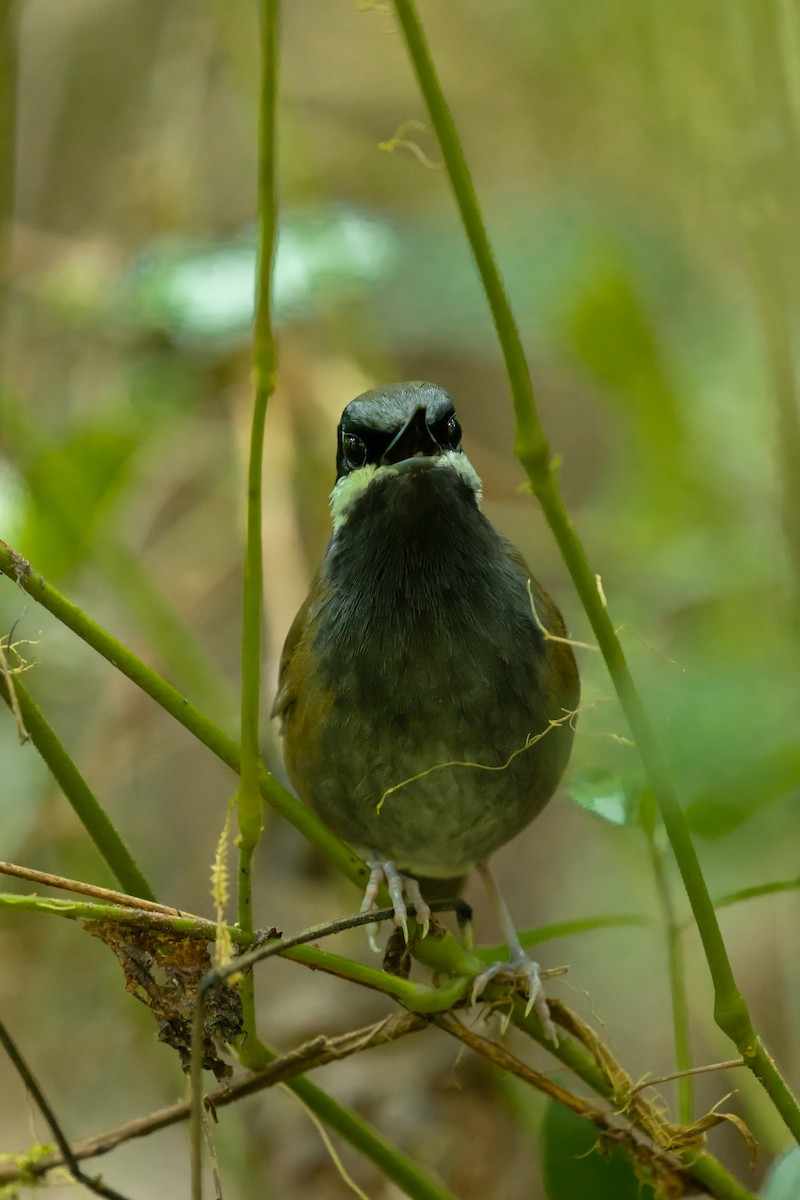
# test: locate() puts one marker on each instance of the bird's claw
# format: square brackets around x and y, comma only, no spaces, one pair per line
[525,973]
[402,888]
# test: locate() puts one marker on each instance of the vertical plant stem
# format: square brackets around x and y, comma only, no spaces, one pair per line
[770,181]
[249,807]
[85,804]
[8,97]
[196,1097]
[730,1010]
[677,978]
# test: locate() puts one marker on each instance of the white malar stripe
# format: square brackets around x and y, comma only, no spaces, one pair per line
[458,461]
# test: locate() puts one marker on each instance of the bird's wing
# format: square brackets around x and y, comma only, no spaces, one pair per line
[546,611]
[557,646]
[286,693]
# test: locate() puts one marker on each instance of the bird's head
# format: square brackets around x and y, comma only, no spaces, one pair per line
[394,432]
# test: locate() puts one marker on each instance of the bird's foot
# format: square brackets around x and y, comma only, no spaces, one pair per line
[525,973]
[402,888]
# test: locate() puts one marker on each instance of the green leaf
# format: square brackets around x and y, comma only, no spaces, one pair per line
[605,794]
[615,338]
[67,481]
[575,1166]
[562,929]
[783,1178]
[729,804]
[756,890]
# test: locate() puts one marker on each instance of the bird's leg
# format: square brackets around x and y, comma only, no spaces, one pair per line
[370,901]
[518,966]
[401,888]
[421,908]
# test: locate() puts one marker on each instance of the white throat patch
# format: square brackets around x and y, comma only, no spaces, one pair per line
[348,489]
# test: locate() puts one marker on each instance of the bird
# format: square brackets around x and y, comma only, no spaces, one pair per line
[427,690]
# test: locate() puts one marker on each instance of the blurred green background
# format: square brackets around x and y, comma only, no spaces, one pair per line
[638,163]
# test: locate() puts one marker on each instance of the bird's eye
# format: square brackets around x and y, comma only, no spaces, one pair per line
[355,450]
[453,432]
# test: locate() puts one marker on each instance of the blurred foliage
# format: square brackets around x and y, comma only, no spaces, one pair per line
[639,168]
[577,1166]
[783,1180]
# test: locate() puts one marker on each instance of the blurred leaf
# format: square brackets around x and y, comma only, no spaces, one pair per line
[576,1169]
[73,484]
[756,785]
[70,482]
[13,500]
[759,889]
[613,335]
[605,794]
[560,929]
[783,1178]
[24,796]
[205,290]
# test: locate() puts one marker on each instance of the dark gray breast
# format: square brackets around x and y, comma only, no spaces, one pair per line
[427,646]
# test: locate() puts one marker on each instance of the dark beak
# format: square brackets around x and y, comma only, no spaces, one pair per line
[414,440]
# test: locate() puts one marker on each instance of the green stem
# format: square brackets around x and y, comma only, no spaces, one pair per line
[84,803]
[170,699]
[403,1171]
[773,69]
[417,997]
[13,565]
[249,803]
[95,910]
[677,978]
[730,1010]
[560,929]
[704,1167]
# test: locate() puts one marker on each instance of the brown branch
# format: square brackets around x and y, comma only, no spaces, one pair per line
[628,1099]
[658,1165]
[90,889]
[315,1053]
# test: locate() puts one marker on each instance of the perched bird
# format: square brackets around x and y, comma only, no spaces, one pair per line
[418,684]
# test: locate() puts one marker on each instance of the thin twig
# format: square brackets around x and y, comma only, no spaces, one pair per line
[346,1178]
[664,1167]
[720,1066]
[7,673]
[90,889]
[677,975]
[244,962]
[315,1053]
[68,1158]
